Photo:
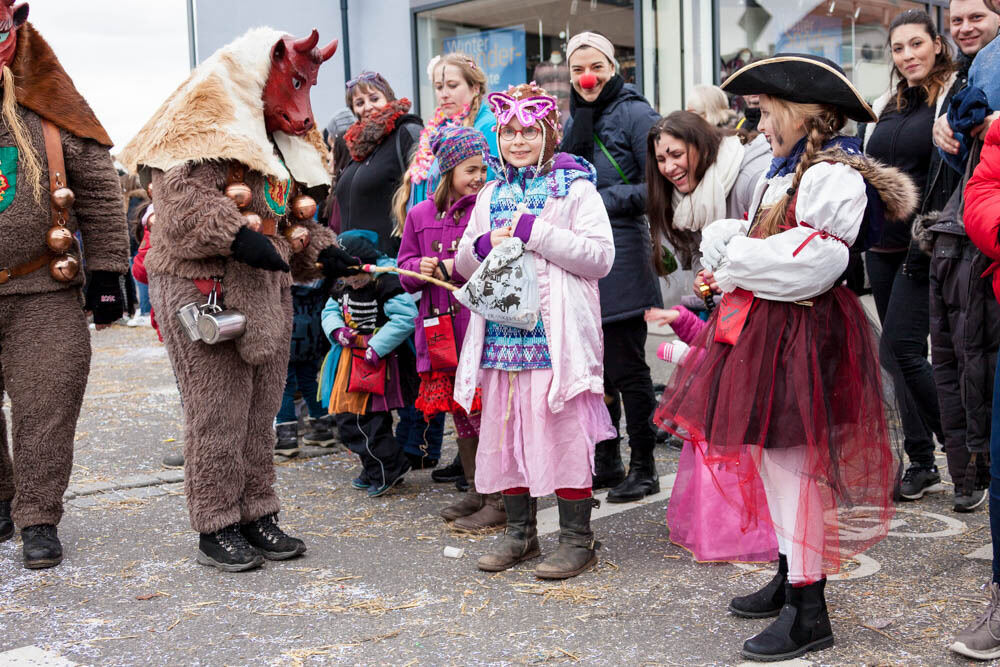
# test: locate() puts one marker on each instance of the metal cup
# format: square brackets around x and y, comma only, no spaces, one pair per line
[217,327]
[188,316]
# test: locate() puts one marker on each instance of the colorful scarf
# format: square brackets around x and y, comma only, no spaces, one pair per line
[367,133]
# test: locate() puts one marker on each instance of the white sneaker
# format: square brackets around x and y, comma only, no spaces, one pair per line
[134,321]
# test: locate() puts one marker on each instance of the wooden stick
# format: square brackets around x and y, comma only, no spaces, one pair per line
[371,268]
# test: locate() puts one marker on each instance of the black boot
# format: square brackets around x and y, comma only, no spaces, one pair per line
[609,471]
[641,481]
[766,602]
[520,539]
[287,446]
[228,550]
[41,546]
[272,542]
[6,525]
[450,473]
[320,432]
[803,625]
[577,547]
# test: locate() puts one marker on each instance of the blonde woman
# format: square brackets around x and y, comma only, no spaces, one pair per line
[712,104]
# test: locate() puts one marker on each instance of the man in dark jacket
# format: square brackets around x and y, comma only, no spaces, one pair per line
[964,316]
[608,126]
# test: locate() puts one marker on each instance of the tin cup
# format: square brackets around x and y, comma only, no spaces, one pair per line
[188,316]
[218,327]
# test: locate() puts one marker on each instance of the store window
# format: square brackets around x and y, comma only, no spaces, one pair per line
[851,33]
[522,40]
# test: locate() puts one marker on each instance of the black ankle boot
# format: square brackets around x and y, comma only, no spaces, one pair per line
[766,602]
[803,625]
[228,550]
[641,481]
[450,473]
[272,542]
[6,525]
[41,546]
[609,471]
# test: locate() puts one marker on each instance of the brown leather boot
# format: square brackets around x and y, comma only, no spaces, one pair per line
[472,501]
[492,515]
[520,540]
[577,547]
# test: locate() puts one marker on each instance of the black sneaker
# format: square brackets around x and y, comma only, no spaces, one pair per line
[6,524]
[374,491]
[272,542]
[41,546]
[918,480]
[228,550]
[361,483]
[287,446]
[450,473]
[968,501]
[320,432]
[173,461]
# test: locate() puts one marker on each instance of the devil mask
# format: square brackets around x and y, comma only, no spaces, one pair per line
[12,17]
[294,65]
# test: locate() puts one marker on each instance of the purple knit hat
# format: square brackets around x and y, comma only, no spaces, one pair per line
[454,144]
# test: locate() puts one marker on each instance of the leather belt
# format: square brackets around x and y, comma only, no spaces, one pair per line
[27,267]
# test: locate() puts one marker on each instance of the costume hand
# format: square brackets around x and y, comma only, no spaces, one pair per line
[498,236]
[255,249]
[706,277]
[983,128]
[105,298]
[943,137]
[661,316]
[337,263]
[428,266]
[371,357]
[345,336]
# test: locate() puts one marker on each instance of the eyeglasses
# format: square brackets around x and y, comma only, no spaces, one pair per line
[528,134]
[364,76]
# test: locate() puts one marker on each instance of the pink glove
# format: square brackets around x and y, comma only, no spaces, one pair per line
[673,351]
[345,336]
[371,356]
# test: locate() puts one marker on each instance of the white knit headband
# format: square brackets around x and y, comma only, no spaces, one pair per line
[591,39]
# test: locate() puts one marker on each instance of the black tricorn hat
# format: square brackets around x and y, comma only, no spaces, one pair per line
[804,78]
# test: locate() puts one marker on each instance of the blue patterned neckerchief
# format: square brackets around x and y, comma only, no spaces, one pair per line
[782,166]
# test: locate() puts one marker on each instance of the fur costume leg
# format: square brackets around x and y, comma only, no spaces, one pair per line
[217,391]
[6,465]
[46,392]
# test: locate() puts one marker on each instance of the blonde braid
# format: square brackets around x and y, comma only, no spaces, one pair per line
[28,158]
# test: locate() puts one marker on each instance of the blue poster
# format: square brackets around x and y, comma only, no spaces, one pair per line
[499,53]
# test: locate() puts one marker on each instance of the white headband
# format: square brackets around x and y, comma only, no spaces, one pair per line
[593,40]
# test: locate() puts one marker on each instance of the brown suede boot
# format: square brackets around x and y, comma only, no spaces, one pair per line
[577,547]
[520,540]
[472,501]
[492,515]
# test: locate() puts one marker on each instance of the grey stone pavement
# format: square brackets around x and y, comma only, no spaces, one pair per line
[375,587]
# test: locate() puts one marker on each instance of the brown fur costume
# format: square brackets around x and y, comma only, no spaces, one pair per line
[231,391]
[46,390]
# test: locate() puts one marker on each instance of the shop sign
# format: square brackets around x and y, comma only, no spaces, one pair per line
[499,53]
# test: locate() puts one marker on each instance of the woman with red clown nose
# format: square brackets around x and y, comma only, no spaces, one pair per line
[608,127]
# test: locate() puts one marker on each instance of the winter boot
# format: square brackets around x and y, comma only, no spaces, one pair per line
[272,542]
[227,550]
[803,625]
[450,473]
[766,602]
[577,547]
[520,539]
[6,524]
[472,501]
[491,515]
[320,432]
[641,481]
[981,640]
[41,546]
[609,471]
[173,461]
[288,441]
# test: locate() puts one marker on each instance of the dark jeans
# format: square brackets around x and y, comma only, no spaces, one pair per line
[370,437]
[417,436]
[902,298]
[626,373]
[302,376]
[995,478]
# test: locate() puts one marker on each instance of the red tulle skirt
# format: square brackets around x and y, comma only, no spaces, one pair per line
[803,377]
[437,391]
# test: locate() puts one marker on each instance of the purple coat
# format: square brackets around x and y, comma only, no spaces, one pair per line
[427,233]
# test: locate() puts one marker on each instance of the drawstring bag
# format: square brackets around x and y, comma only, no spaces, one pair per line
[366,377]
[439,332]
[504,289]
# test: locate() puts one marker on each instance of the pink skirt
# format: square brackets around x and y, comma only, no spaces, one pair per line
[523,443]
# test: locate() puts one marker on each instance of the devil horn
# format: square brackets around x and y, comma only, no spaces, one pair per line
[306,44]
[328,50]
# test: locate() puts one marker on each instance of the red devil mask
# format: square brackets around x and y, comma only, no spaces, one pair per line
[11,18]
[294,65]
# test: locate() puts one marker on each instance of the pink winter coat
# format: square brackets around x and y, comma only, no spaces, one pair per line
[574,248]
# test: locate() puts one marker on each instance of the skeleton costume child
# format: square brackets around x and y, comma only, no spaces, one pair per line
[226,153]
[788,371]
[53,151]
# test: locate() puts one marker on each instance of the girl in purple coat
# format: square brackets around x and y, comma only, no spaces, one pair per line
[430,240]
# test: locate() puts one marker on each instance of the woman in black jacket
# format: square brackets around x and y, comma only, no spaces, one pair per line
[897,268]
[608,126]
[380,143]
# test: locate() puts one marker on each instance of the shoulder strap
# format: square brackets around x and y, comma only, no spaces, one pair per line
[57,167]
[607,154]
[399,152]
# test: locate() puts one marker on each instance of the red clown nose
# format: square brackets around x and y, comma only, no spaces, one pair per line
[588,81]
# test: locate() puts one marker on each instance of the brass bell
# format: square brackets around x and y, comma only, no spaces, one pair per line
[64,268]
[303,207]
[253,221]
[240,193]
[59,239]
[298,237]
[63,198]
